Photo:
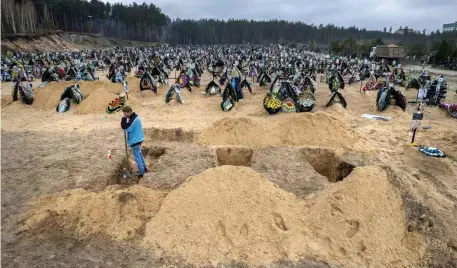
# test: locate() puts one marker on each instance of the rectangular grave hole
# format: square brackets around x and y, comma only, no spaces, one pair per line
[327,163]
[235,156]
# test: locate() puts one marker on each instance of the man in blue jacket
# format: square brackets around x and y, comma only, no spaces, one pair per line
[131,124]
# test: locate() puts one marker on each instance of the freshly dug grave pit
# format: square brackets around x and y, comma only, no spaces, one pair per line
[327,163]
[285,167]
[171,164]
[234,214]
[122,174]
[316,129]
[235,156]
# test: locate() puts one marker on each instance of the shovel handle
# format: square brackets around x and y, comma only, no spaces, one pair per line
[125,144]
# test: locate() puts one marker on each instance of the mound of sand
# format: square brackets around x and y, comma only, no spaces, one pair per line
[88,87]
[96,102]
[134,84]
[116,213]
[338,111]
[232,213]
[48,97]
[317,129]
[133,101]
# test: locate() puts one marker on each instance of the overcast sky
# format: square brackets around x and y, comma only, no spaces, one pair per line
[371,14]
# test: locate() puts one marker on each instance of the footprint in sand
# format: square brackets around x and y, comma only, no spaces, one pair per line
[335,210]
[355,225]
[244,231]
[220,229]
[279,222]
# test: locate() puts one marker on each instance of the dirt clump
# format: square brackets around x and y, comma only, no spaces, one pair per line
[154,151]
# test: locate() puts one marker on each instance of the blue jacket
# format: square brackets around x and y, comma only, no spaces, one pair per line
[134,129]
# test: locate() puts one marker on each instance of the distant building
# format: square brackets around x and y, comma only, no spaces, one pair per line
[450,27]
[402,31]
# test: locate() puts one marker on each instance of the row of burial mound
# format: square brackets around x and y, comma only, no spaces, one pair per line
[233,214]
[97,95]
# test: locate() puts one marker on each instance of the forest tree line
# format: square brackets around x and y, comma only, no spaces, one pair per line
[131,22]
[443,46]
[146,22]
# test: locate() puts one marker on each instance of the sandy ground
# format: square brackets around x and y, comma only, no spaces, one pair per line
[414,197]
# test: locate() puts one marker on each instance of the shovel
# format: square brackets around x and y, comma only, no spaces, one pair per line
[125,173]
[125,143]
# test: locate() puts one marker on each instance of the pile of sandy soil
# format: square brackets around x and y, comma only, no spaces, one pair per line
[48,97]
[338,111]
[98,95]
[317,129]
[116,213]
[133,101]
[134,84]
[96,102]
[235,214]
[88,87]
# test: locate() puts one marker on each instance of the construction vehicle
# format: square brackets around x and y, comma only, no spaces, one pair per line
[389,53]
